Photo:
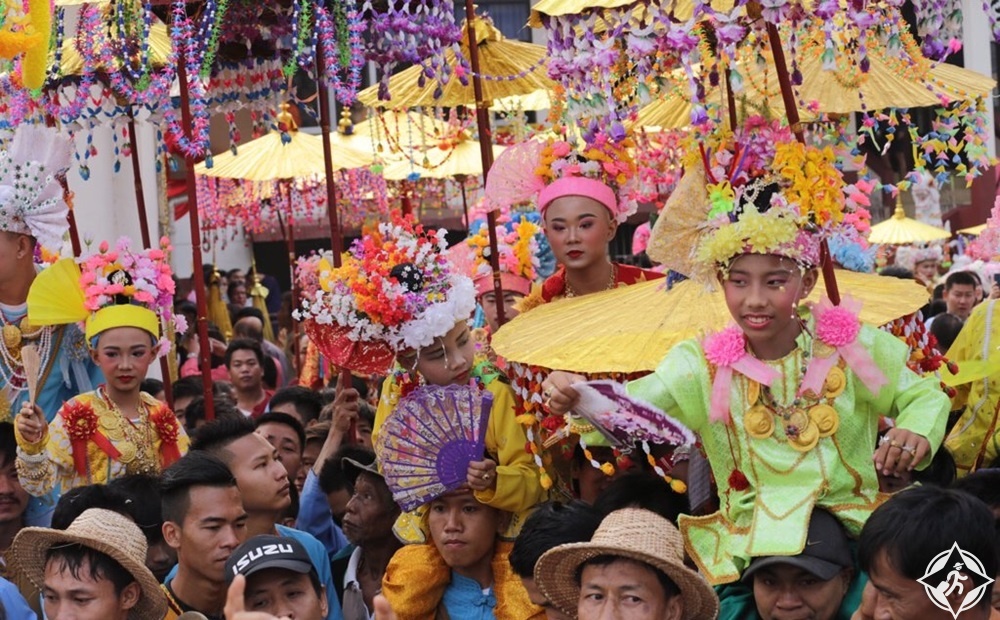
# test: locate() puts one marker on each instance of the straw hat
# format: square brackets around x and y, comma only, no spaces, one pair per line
[634,534]
[110,533]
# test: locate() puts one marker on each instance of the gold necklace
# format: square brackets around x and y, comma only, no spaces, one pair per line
[611,283]
[133,440]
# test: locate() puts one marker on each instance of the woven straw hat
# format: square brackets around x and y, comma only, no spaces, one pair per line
[110,533]
[634,534]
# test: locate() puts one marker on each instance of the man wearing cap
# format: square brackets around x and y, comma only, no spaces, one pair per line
[280,578]
[813,584]
[371,513]
[632,568]
[93,570]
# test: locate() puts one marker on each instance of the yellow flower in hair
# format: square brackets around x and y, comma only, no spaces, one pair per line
[812,181]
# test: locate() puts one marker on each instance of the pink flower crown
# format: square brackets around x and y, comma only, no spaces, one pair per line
[603,170]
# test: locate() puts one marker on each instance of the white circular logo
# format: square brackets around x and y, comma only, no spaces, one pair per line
[955,580]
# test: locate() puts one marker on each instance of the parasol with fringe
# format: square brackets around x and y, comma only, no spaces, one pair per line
[630,329]
[508,67]
[888,83]
[901,230]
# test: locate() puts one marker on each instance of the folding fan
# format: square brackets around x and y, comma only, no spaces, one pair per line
[624,420]
[427,442]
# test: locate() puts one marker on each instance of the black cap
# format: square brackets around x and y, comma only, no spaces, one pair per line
[262,552]
[826,552]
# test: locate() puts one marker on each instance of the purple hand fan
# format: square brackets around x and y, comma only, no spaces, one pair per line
[623,419]
[427,442]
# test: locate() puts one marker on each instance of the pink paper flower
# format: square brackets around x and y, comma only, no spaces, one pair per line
[837,326]
[726,347]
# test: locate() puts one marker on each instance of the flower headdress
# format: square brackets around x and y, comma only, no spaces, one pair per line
[395,291]
[517,246]
[31,198]
[112,288]
[911,256]
[602,169]
[760,192]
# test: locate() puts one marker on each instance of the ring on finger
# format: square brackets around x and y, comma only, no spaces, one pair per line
[486,477]
[547,393]
[911,449]
[894,444]
[883,439]
[547,403]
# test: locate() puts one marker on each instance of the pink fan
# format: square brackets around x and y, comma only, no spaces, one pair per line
[427,442]
[624,420]
[512,177]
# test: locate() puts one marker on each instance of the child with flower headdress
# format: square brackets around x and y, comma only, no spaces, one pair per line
[787,400]
[583,195]
[398,304]
[124,298]
[518,250]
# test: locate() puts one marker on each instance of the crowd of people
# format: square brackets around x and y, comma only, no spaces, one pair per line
[829,473]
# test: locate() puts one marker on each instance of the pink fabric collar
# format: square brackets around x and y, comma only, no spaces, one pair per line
[578,186]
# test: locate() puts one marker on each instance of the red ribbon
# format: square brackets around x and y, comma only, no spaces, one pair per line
[80,450]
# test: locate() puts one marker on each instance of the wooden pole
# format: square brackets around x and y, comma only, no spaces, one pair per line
[792,112]
[147,242]
[205,347]
[336,235]
[486,150]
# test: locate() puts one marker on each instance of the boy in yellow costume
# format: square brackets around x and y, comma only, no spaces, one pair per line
[116,429]
[397,299]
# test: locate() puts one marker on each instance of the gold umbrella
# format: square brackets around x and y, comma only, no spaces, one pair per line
[388,132]
[630,329]
[498,57]
[973,230]
[889,83]
[901,230]
[438,163]
[159,50]
[281,156]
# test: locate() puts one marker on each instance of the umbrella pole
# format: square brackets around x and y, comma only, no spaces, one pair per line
[486,149]
[336,239]
[465,203]
[792,112]
[140,202]
[205,347]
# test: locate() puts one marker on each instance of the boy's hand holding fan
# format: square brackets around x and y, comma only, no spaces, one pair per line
[427,443]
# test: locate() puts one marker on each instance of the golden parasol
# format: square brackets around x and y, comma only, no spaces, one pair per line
[520,65]
[387,133]
[538,100]
[159,50]
[441,163]
[889,83]
[280,156]
[973,230]
[630,329]
[901,230]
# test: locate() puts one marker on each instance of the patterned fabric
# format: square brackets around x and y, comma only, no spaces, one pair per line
[773,487]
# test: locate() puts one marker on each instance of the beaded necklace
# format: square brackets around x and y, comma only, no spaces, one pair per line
[569,292]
